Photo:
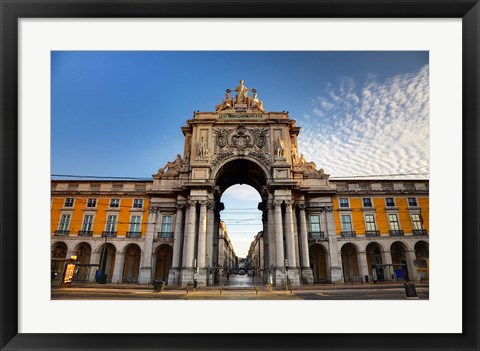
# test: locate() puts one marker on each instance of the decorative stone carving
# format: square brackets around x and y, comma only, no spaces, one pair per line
[279,147]
[309,169]
[257,104]
[225,104]
[242,94]
[243,141]
[171,169]
[294,154]
[202,148]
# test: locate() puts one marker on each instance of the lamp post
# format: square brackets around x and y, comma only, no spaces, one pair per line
[285,267]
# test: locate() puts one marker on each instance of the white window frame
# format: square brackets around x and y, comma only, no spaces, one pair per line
[408,202]
[84,223]
[170,223]
[316,223]
[414,222]
[109,224]
[371,202]
[61,224]
[92,198]
[141,202]
[340,202]
[367,222]
[344,223]
[112,199]
[387,205]
[65,202]
[133,224]
[390,222]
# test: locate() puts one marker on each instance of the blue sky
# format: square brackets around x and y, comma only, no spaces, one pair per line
[120,113]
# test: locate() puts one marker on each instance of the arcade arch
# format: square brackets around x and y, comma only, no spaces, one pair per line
[163,262]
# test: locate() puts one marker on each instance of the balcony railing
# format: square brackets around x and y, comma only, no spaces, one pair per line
[348,234]
[85,233]
[372,233]
[316,235]
[165,235]
[62,232]
[134,234]
[396,232]
[109,234]
[419,232]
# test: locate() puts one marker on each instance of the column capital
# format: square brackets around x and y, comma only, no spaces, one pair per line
[289,202]
[301,206]
[203,203]
[328,208]
[211,205]
[153,209]
[180,206]
[277,203]
[191,203]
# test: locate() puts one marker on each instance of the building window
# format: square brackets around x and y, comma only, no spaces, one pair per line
[111,223]
[92,203]
[114,203]
[315,223]
[417,222]
[68,202]
[412,202]
[137,203]
[343,202]
[390,202]
[135,224]
[87,225]
[393,222]
[370,223]
[367,202]
[346,223]
[166,224]
[64,223]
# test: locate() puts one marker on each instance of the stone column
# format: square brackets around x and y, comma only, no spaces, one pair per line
[210,241]
[118,267]
[174,276]
[187,273]
[271,238]
[293,274]
[279,256]
[307,274]
[412,270]
[386,257]
[202,239]
[94,259]
[146,260]
[362,264]
[336,273]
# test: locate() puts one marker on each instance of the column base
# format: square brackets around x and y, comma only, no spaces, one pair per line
[145,276]
[280,277]
[186,277]
[336,274]
[307,276]
[201,277]
[174,276]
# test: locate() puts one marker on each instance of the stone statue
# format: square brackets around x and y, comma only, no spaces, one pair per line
[256,103]
[279,148]
[171,168]
[242,94]
[306,164]
[294,155]
[202,148]
[226,104]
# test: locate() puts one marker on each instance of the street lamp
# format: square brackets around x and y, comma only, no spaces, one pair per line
[285,267]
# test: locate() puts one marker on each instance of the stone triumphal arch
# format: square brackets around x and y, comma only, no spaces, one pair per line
[240,143]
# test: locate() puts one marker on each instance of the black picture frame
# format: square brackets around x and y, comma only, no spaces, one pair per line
[12,11]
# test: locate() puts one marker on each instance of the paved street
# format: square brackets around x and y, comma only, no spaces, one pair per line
[239,288]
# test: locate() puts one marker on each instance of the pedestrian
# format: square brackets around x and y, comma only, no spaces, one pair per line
[270,282]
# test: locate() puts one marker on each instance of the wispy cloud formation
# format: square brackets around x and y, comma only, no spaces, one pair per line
[380,127]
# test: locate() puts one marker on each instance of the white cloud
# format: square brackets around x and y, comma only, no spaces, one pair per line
[380,127]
